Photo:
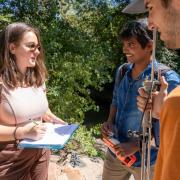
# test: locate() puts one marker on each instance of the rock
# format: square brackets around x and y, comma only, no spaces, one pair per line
[100,145]
[92,170]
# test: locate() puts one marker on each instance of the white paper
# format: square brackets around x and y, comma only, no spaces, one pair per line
[55,137]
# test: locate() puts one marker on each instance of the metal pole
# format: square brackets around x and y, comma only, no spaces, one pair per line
[147,121]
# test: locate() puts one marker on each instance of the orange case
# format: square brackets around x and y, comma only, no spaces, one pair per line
[110,143]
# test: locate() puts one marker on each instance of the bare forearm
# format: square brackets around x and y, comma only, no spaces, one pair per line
[112,114]
[7,133]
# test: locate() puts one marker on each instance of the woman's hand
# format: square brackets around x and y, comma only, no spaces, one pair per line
[50,117]
[31,131]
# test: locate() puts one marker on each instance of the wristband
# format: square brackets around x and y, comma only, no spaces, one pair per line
[14,135]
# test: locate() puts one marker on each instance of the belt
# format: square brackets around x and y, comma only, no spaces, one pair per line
[112,153]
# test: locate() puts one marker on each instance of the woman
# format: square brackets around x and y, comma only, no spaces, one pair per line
[22,102]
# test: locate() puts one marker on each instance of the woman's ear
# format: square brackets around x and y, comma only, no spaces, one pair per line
[12,48]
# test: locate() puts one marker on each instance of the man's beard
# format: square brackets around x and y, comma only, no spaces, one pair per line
[173,28]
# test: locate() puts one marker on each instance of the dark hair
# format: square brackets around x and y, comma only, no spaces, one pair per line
[9,72]
[138,30]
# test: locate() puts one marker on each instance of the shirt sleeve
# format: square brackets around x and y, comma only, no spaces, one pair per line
[173,80]
[43,87]
[114,99]
[116,85]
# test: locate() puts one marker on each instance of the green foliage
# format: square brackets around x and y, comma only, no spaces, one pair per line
[85,142]
[4,20]
[168,57]
[95,130]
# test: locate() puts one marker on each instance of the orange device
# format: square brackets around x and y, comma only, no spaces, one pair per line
[110,143]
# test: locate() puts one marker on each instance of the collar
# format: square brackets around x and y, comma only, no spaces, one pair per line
[146,72]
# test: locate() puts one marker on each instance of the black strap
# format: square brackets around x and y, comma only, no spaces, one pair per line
[121,72]
[162,68]
[123,68]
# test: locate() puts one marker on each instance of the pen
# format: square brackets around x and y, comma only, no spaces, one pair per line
[33,121]
[36,123]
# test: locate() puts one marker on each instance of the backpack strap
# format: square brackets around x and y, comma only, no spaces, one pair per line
[162,68]
[121,72]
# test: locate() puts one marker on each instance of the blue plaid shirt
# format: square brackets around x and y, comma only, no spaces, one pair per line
[128,117]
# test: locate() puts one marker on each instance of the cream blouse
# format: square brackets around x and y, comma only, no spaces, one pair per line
[27,103]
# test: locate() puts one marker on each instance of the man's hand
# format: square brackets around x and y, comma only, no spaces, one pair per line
[126,149]
[107,128]
[157,99]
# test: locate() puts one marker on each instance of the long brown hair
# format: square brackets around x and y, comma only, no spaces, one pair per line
[9,72]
